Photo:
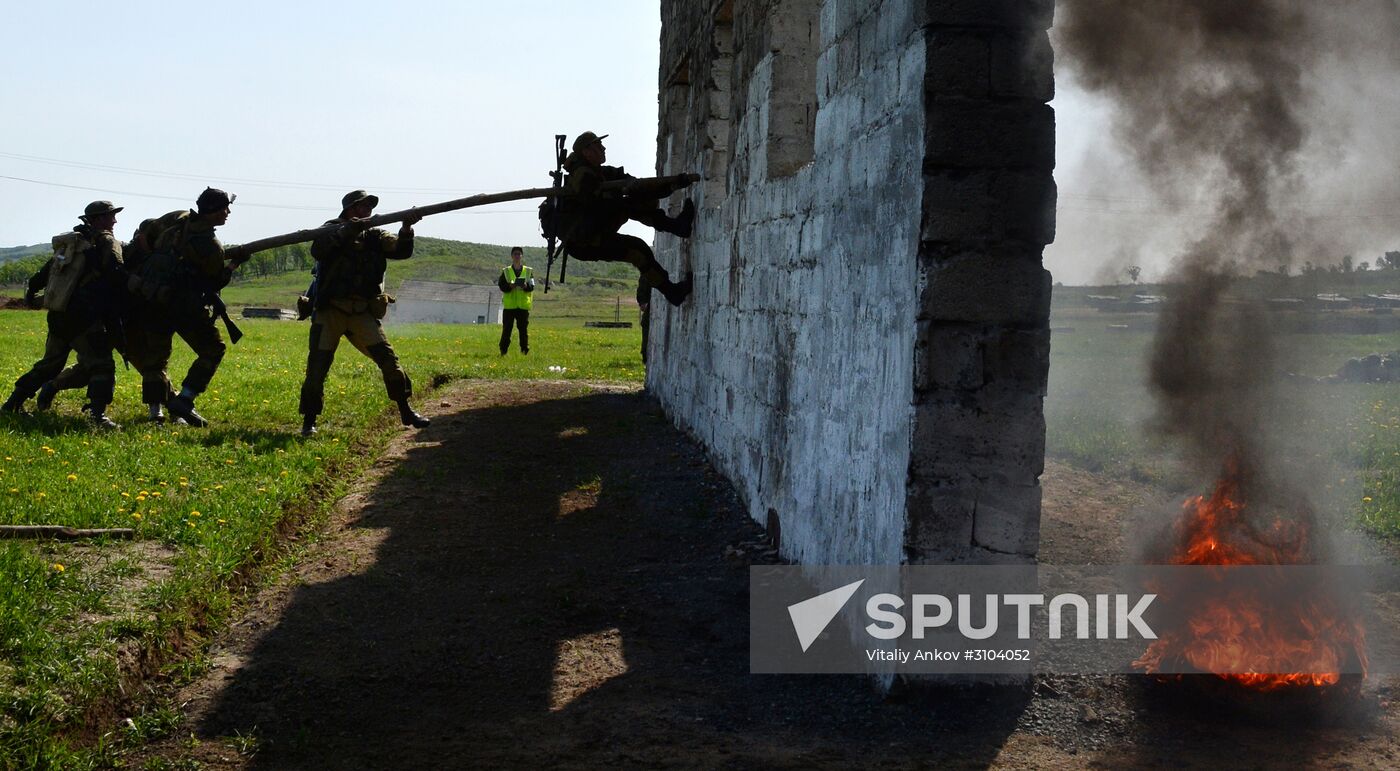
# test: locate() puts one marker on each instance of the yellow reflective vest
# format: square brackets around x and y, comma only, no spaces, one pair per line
[517,298]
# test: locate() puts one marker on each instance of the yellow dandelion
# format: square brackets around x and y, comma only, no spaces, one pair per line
[136,517]
[72,477]
[195,514]
[218,487]
[126,494]
[43,495]
[1367,499]
[58,567]
[221,521]
[284,473]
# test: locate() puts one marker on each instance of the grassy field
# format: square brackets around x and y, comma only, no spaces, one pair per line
[1344,438]
[206,504]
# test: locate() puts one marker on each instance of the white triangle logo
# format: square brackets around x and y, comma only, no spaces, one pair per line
[810,617]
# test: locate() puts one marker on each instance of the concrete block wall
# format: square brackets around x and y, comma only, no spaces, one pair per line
[864,353]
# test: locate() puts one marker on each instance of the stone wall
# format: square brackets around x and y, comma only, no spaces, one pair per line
[864,354]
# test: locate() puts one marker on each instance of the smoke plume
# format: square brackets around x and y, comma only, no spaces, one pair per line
[1231,110]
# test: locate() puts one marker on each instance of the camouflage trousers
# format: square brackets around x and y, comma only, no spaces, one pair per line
[75,332]
[364,332]
[149,338]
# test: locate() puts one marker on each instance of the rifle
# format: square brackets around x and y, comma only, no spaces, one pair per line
[554,215]
[217,303]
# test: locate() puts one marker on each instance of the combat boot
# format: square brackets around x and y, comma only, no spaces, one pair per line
[308,426]
[47,392]
[675,293]
[182,407]
[14,404]
[681,225]
[411,418]
[101,421]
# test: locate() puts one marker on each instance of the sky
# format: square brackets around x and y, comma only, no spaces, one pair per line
[290,106]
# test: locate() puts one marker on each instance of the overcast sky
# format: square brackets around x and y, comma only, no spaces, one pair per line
[290,105]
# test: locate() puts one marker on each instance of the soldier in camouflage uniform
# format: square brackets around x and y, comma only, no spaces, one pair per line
[591,218]
[179,304]
[349,303]
[82,320]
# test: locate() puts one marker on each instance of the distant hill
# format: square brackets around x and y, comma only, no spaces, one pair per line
[8,253]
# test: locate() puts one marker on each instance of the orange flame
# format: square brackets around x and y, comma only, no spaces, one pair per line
[1235,633]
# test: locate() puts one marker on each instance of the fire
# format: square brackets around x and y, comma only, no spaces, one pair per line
[1237,634]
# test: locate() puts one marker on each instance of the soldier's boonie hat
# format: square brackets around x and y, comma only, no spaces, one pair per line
[587,138]
[356,196]
[99,208]
[213,199]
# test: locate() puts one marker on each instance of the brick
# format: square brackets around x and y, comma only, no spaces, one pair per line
[962,436]
[948,357]
[1022,64]
[986,287]
[1007,519]
[958,63]
[940,522]
[1033,14]
[1018,358]
[965,134]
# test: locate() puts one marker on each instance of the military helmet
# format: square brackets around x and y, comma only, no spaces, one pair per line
[214,199]
[99,208]
[356,196]
[587,138]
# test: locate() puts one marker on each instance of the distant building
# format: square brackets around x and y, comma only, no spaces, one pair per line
[436,302]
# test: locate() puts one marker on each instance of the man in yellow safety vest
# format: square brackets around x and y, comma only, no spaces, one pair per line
[517,284]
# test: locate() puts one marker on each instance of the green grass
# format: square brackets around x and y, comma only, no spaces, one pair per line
[205,503]
[1341,439]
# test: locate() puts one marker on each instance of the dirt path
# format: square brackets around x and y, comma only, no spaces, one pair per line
[550,575]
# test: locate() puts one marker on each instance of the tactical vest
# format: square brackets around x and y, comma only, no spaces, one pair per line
[517,298]
[357,272]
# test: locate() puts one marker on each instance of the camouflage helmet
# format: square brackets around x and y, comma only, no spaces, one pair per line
[357,196]
[213,199]
[587,138]
[99,208]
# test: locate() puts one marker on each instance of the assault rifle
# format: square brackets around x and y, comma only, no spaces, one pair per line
[555,210]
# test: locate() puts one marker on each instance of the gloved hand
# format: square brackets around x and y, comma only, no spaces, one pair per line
[520,282]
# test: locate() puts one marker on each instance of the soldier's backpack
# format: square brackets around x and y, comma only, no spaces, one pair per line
[551,217]
[165,279]
[66,269]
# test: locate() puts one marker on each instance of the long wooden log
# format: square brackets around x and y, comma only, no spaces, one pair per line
[649,184]
[63,533]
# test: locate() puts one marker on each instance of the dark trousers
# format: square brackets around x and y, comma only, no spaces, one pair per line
[615,247]
[149,341]
[79,333]
[519,317]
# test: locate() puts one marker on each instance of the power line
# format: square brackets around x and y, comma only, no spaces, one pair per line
[289,207]
[218,178]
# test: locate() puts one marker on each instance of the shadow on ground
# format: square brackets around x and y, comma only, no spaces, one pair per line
[544,578]
[553,589]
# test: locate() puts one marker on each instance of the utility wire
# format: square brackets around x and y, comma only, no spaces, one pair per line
[217,178]
[288,207]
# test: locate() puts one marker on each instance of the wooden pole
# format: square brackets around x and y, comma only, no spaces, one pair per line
[649,184]
[63,533]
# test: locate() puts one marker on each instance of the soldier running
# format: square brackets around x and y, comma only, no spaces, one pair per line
[349,303]
[185,271]
[82,285]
